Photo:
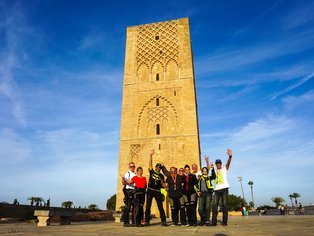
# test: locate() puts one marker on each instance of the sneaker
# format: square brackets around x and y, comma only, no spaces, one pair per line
[140,225]
[127,225]
[207,224]
[146,224]
[213,225]
[223,224]
[164,224]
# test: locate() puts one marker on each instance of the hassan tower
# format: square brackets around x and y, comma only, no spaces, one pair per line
[159,108]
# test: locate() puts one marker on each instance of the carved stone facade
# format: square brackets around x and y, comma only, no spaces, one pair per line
[159,108]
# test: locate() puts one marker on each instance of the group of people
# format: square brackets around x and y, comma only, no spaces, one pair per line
[185,189]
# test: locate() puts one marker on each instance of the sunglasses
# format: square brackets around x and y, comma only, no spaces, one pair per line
[132,166]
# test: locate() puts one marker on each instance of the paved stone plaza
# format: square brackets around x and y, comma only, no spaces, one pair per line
[254,225]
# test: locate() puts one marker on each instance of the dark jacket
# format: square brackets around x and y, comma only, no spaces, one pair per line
[174,186]
[208,180]
[189,182]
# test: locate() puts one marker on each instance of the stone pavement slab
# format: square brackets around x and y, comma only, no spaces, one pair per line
[249,225]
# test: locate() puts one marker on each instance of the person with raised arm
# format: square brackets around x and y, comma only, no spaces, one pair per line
[155,183]
[204,190]
[221,190]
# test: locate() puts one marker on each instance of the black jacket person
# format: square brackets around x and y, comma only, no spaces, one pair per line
[175,184]
[189,182]
[155,183]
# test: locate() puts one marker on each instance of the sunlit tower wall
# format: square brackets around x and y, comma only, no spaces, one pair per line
[159,108]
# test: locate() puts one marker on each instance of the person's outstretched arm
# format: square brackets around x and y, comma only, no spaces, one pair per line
[165,171]
[151,153]
[229,152]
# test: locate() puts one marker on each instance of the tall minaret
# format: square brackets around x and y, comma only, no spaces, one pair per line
[159,109]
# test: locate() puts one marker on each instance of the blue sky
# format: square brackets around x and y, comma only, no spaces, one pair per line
[61,75]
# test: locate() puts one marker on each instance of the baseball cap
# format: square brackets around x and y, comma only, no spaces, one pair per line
[159,165]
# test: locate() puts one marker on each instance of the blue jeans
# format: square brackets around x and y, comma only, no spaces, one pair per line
[204,206]
[223,195]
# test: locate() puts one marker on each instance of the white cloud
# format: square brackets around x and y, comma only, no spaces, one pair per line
[63,164]
[255,133]
[68,145]
[292,102]
[299,83]
[14,30]
[14,149]
[301,15]
[239,58]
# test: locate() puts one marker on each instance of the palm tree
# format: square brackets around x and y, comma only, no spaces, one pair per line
[251,185]
[37,200]
[32,199]
[290,196]
[295,196]
[93,207]
[67,204]
[278,201]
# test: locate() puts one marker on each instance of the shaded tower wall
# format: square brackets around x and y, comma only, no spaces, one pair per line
[159,108]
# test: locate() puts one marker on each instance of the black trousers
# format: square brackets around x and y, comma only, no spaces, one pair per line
[139,199]
[175,208]
[129,205]
[158,197]
[191,208]
[223,195]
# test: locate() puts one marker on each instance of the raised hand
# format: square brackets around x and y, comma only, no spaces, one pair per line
[152,152]
[229,152]
[206,158]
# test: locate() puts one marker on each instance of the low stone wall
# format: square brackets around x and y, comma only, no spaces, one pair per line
[309,210]
[26,212]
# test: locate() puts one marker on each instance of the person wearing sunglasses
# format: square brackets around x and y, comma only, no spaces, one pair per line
[128,191]
[204,190]
[175,183]
[155,183]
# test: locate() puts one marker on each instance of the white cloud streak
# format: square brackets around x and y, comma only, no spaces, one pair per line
[14,30]
[299,83]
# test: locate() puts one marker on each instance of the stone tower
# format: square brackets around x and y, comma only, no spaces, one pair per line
[159,108]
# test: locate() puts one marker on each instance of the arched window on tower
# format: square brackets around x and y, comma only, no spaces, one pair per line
[157,129]
[157,102]
[157,77]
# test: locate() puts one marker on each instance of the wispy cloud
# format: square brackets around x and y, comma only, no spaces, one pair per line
[299,83]
[301,15]
[239,58]
[256,77]
[94,40]
[14,30]
[292,102]
[70,144]
[14,150]
[254,133]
